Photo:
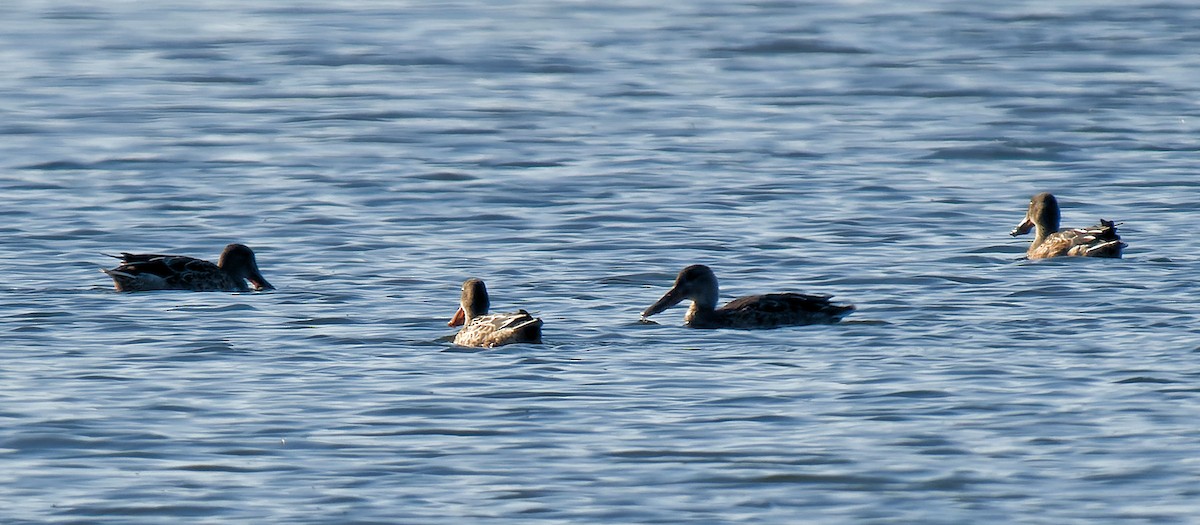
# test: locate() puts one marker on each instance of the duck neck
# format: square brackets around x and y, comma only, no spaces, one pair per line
[475,310]
[700,313]
[475,301]
[1046,222]
[1040,236]
[1043,231]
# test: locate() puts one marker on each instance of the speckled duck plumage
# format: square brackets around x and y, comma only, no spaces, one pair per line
[699,284]
[481,329]
[142,272]
[1049,240]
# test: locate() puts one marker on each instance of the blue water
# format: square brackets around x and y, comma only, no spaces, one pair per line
[576,155]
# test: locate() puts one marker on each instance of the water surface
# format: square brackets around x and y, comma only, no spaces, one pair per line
[576,156]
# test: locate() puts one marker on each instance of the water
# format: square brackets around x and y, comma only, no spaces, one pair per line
[575,156]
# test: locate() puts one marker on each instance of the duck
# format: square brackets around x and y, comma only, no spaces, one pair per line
[481,329]
[143,271]
[698,283]
[1050,241]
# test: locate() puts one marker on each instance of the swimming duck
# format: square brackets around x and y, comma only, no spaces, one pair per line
[698,283]
[141,272]
[489,330]
[1098,241]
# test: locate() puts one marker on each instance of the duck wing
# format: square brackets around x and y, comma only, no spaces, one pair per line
[165,266]
[1101,240]
[782,309]
[500,329]
[127,257]
[780,303]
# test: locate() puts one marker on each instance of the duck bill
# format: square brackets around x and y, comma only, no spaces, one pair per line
[459,318]
[1022,228]
[671,298]
[260,284]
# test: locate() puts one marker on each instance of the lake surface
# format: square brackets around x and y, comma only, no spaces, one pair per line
[575,156]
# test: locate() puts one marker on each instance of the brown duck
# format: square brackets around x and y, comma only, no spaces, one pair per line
[142,272]
[481,329]
[698,283]
[1050,241]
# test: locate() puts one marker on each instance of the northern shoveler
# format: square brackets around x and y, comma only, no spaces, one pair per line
[141,272]
[479,328]
[698,283]
[1098,241]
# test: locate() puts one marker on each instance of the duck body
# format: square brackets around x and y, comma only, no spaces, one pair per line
[768,311]
[699,283]
[493,330]
[144,272]
[1049,240]
[481,329]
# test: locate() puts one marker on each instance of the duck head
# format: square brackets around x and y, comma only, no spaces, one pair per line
[696,282]
[474,302]
[238,261]
[1043,213]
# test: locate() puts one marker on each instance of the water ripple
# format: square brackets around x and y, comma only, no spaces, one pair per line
[576,156]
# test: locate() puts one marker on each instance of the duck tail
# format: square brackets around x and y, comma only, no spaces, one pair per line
[121,281]
[837,312]
[1106,241]
[1105,231]
[528,328]
[1111,249]
[532,331]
